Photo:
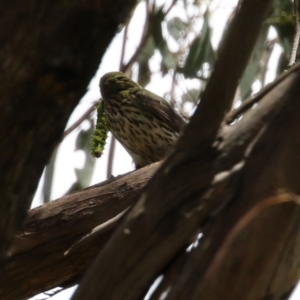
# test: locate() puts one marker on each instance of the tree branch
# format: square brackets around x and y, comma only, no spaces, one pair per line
[248,103]
[170,211]
[293,55]
[37,261]
[266,231]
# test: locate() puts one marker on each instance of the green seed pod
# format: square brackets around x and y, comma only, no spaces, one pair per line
[100,132]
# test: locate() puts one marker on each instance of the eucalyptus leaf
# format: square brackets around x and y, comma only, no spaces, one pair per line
[201,51]
[156,22]
[168,60]
[282,19]
[177,28]
[191,95]
[144,74]
[252,69]
[83,142]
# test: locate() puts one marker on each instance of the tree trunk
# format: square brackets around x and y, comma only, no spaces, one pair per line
[49,53]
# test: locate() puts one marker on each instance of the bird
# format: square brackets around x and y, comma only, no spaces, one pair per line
[145,124]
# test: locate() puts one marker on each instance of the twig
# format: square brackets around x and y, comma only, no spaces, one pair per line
[247,104]
[123,48]
[170,7]
[80,120]
[112,146]
[111,155]
[146,34]
[297,35]
[172,92]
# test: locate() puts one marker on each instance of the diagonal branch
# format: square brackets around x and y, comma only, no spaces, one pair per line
[37,262]
[168,213]
[269,234]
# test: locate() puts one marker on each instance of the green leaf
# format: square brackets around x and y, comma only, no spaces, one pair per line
[144,74]
[282,20]
[201,52]
[191,95]
[168,60]
[147,51]
[83,142]
[252,69]
[177,28]
[156,21]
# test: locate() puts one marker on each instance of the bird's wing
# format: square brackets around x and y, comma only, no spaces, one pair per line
[160,108]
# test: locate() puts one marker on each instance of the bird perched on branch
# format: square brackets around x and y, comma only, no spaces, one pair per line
[145,124]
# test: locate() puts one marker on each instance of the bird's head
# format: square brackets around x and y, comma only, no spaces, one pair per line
[116,82]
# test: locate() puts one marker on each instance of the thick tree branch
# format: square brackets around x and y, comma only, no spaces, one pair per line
[236,141]
[250,245]
[37,261]
[168,211]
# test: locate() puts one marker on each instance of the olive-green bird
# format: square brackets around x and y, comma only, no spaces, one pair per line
[145,124]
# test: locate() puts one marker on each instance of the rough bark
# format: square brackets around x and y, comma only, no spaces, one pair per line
[37,261]
[78,213]
[252,244]
[248,212]
[239,189]
[49,52]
